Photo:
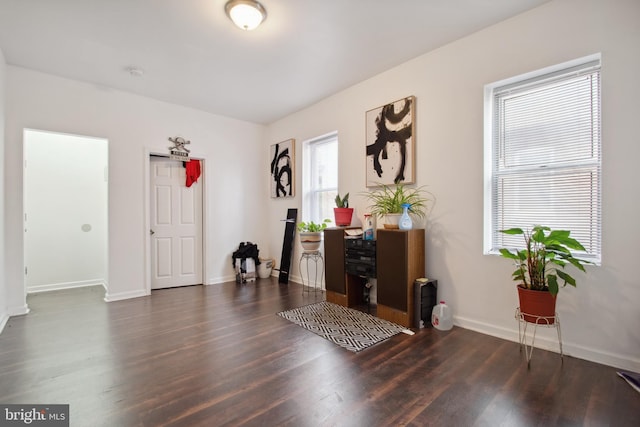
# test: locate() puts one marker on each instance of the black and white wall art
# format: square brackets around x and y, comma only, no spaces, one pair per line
[282,169]
[390,139]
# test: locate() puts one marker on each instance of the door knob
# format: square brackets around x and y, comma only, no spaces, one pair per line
[152,232]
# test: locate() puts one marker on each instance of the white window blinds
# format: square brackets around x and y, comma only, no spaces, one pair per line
[320,177]
[546,156]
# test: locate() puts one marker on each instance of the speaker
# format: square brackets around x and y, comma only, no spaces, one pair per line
[425,297]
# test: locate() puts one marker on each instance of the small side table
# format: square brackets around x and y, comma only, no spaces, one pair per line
[543,321]
[316,258]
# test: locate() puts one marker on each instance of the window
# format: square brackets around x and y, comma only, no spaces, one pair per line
[320,177]
[542,154]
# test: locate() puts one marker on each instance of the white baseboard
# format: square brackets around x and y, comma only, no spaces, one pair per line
[219,280]
[12,311]
[551,344]
[4,318]
[274,273]
[65,285]
[110,297]
[18,311]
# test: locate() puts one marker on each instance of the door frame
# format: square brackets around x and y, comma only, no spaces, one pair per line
[105,282]
[148,152]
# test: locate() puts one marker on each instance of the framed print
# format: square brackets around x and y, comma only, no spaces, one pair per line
[282,169]
[390,139]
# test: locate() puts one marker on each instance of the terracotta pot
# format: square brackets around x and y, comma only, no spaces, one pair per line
[343,216]
[310,241]
[537,306]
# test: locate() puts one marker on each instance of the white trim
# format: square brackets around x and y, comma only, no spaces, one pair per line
[66,285]
[227,279]
[204,229]
[307,168]
[3,321]
[593,60]
[146,210]
[487,241]
[18,310]
[596,57]
[124,295]
[620,361]
[148,152]
[221,280]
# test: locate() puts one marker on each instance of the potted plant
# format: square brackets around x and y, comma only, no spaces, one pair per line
[386,202]
[311,234]
[342,212]
[540,268]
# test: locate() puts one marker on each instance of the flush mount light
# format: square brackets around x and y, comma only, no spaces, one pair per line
[246,14]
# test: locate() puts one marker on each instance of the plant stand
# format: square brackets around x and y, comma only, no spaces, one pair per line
[314,257]
[543,321]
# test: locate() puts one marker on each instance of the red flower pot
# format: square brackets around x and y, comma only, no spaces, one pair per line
[537,306]
[343,216]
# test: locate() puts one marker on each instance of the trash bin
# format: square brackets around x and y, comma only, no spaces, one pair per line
[264,269]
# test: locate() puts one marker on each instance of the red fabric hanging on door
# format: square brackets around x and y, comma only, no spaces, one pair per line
[193,171]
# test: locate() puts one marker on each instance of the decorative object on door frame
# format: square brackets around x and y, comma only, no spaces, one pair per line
[179,151]
[390,141]
[282,169]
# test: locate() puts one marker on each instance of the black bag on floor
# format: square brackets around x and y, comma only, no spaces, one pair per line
[245,261]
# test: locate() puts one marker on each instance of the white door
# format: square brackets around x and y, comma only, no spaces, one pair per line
[176,226]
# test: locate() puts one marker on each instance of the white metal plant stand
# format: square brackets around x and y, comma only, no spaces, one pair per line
[543,321]
[316,258]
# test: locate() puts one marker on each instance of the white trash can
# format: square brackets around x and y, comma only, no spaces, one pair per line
[264,269]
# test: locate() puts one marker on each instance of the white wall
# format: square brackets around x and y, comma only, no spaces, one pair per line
[600,318]
[134,126]
[4,312]
[65,202]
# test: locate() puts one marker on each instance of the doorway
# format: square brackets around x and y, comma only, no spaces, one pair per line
[176,225]
[65,211]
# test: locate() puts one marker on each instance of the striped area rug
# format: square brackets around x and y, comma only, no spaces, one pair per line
[348,328]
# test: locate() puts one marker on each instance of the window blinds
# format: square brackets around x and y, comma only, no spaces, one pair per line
[546,154]
[322,177]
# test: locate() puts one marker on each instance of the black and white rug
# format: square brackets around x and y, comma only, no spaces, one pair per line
[348,328]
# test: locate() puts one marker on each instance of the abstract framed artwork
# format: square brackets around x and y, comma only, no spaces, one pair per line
[390,139]
[282,169]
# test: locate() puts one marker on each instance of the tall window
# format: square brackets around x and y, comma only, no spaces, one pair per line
[320,177]
[542,154]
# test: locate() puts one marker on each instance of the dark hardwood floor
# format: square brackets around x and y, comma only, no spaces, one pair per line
[218,355]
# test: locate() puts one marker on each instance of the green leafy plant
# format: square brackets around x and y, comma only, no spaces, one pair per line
[388,200]
[312,227]
[342,202]
[542,261]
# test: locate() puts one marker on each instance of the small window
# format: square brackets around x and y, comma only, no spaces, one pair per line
[320,177]
[542,155]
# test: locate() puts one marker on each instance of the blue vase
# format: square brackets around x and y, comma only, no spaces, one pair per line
[405,222]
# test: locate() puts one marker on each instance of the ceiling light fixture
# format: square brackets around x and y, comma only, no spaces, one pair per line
[246,14]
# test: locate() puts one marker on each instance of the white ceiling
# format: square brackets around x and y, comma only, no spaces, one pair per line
[193,55]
